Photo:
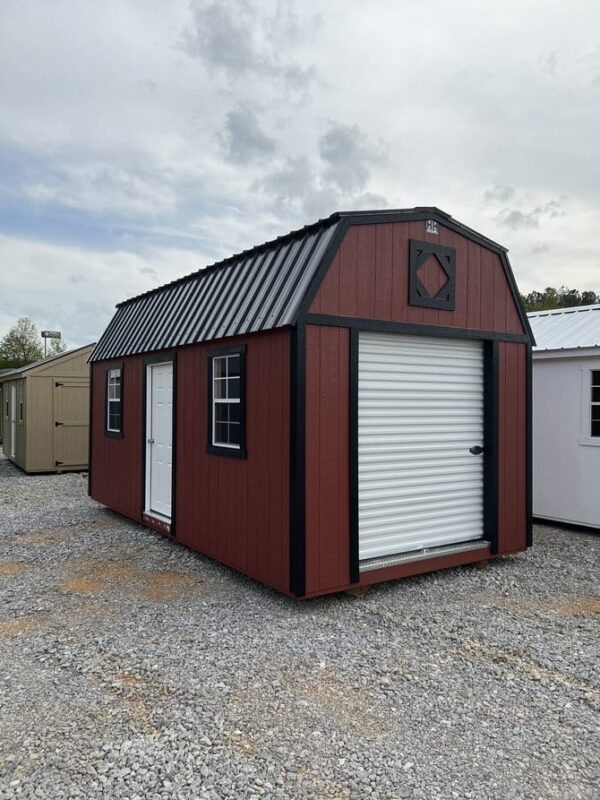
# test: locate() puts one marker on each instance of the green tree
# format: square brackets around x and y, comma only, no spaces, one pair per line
[21,345]
[558,298]
[56,346]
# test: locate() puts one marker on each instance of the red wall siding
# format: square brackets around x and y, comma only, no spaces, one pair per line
[512,490]
[234,510]
[116,464]
[327,497]
[368,278]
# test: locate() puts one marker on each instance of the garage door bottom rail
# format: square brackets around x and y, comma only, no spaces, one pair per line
[422,555]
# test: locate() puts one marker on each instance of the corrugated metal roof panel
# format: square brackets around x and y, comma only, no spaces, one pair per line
[566,328]
[253,291]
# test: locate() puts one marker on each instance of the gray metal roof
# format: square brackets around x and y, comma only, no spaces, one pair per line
[566,328]
[256,290]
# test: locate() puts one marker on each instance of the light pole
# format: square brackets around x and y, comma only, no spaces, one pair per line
[49,335]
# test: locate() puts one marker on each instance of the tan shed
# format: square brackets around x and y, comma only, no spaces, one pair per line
[45,413]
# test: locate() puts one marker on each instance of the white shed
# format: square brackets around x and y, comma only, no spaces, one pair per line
[566,415]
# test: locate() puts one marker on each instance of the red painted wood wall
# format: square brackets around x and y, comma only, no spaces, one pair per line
[233,510]
[369,279]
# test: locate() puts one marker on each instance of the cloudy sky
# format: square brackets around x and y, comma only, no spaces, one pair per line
[143,139]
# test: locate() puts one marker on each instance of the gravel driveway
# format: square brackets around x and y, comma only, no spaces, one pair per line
[131,667]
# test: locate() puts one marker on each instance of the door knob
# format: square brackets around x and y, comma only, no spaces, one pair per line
[476,450]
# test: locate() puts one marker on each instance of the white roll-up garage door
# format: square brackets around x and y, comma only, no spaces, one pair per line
[420,410]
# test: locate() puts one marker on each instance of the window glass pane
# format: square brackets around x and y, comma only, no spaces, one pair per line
[596,412]
[595,428]
[234,412]
[595,394]
[596,377]
[221,433]
[235,430]
[114,384]
[221,412]
[233,367]
[114,417]
[234,388]
[219,367]
[220,388]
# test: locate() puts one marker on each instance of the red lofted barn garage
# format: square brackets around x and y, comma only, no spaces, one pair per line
[344,405]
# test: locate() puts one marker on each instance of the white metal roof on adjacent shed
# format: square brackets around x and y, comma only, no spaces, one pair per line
[566,328]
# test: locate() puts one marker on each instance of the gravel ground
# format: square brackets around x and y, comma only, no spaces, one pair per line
[131,667]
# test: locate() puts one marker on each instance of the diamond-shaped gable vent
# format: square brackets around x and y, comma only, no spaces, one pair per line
[432,275]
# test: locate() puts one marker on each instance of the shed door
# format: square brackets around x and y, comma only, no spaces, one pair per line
[71,402]
[13,420]
[420,410]
[159,439]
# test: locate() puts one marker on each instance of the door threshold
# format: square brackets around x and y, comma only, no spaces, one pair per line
[157,521]
[421,555]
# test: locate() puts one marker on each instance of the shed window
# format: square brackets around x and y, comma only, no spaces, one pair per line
[595,403]
[114,414]
[226,422]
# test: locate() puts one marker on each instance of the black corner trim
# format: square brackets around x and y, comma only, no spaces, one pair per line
[90,430]
[323,268]
[298,461]
[108,365]
[529,460]
[419,255]
[353,457]
[491,441]
[213,449]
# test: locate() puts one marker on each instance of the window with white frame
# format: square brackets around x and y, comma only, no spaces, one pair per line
[595,403]
[227,423]
[114,414]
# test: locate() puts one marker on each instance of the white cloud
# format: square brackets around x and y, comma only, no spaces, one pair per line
[73,289]
[141,139]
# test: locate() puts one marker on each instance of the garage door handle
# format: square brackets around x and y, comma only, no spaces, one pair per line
[476,450]
[56,424]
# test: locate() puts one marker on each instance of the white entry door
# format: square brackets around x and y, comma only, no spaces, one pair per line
[420,411]
[13,420]
[159,439]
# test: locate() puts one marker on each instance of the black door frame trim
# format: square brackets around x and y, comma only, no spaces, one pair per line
[160,358]
[491,441]
[491,445]
[385,326]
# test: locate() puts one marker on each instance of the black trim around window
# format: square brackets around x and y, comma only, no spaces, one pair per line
[221,450]
[107,368]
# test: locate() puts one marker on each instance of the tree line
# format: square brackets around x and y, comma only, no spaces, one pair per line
[558,298]
[23,345]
